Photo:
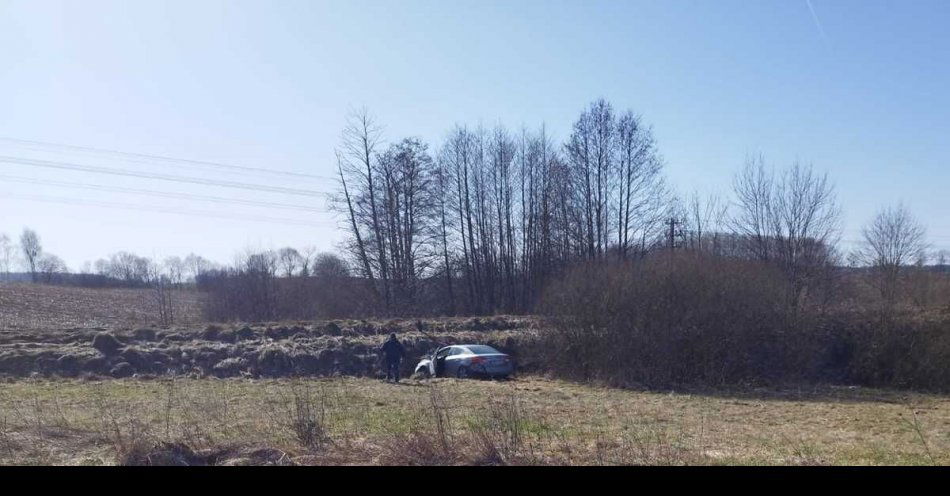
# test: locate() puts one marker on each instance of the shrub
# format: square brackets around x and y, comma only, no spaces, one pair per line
[699,319]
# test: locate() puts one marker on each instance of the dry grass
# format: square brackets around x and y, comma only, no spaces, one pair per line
[446,421]
[35,306]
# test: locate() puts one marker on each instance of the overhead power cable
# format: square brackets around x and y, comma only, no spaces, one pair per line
[161,177]
[149,208]
[147,158]
[162,194]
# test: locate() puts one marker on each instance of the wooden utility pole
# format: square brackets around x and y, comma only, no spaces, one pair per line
[672,222]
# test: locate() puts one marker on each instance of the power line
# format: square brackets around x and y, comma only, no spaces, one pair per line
[160,177]
[183,196]
[188,212]
[147,158]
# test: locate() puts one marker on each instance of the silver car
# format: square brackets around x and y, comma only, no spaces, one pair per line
[466,360]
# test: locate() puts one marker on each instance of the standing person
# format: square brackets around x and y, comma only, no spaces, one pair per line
[393,351]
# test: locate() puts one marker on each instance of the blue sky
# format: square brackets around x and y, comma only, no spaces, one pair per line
[861,93]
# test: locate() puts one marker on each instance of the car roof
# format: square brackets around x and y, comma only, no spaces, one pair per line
[467,345]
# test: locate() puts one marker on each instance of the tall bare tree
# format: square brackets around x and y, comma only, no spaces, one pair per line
[356,164]
[31,248]
[6,256]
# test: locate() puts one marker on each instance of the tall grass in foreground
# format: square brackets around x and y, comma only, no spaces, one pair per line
[297,422]
[441,422]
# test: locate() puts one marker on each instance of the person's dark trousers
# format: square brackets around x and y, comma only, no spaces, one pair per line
[392,370]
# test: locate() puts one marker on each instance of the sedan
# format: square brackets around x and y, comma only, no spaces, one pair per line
[466,360]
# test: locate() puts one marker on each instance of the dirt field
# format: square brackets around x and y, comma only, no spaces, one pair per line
[529,420]
[35,306]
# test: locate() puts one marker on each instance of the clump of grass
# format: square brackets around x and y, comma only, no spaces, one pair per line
[429,439]
[309,417]
[501,433]
[918,429]
[303,414]
[129,437]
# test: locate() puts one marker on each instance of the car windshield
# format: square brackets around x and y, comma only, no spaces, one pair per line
[479,349]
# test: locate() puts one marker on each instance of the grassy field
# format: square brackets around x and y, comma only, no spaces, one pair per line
[529,420]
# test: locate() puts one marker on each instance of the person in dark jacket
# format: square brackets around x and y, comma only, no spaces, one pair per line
[393,352]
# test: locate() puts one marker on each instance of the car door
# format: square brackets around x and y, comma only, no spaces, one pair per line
[453,360]
[439,361]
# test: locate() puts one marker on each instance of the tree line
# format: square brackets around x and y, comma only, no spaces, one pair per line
[491,215]
[486,220]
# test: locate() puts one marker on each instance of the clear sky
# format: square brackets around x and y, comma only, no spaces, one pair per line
[858,88]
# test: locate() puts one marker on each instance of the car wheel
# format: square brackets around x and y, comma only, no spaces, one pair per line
[462,373]
[424,374]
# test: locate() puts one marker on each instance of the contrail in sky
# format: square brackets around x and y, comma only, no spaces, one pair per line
[814,16]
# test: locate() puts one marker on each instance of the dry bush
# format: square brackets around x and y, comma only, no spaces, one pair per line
[309,417]
[697,319]
[899,349]
[122,428]
[302,413]
[689,319]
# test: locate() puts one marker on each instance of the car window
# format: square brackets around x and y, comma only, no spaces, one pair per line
[479,349]
[444,352]
[457,350]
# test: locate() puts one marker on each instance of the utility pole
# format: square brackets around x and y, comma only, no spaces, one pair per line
[672,222]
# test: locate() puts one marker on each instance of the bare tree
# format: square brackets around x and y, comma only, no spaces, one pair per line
[704,219]
[49,266]
[640,188]
[290,261]
[893,240]
[791,220]
[591,151]
[130,268]
[196,265]
[31,248]
[308,256]
[753,187]
[161,281]
[330,267]
[941,259]
[6,256]
[174,268]
[356,160]
[407,215]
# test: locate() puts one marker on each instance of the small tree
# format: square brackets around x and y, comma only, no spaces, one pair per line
[175,270]
[290,261]
[49,266]
[893,240]
[196,265]
[330,267]
[6,255]
[31,249]
[161,283]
